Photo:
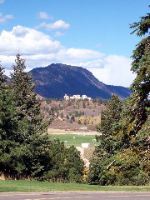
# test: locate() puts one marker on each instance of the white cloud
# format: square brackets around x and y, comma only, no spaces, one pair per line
[113,70]
[4,18]
[82,54]
[57,25]
[40,49]
[60,24]
[2,1]
[59,33]
[119,69]
[28,41]
[44,15]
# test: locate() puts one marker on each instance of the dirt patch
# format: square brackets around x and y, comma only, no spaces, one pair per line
[63,132]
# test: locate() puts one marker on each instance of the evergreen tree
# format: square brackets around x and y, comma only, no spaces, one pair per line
[73,165]
[27,105]
[138,105]
[65,165]
[9,139]
[25,149]
[138,126]
[108,143]
[30,121]
[109,124]
[130,162]
[141,85]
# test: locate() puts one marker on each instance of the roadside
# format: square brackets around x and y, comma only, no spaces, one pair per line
[38,186]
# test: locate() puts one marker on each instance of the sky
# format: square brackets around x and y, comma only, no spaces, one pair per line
[94,34]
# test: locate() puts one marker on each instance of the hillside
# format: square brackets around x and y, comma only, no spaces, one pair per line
[73,115]
[56,80]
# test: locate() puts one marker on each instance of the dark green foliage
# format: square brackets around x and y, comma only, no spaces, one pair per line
[135,124]
[25,150]
[7,126]
[73,164]
[108,144]
[127,161]
[28,107]
[141,27]
[9,139]
[109,124]
[141,66]
[66,164]
[29,121]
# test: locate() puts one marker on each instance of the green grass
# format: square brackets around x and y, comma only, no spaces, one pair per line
[36,186]
[74,139]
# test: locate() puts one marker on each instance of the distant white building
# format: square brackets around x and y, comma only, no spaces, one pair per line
[84,97]
[66,97]
[77,97]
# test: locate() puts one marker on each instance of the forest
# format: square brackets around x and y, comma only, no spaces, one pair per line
[122,156]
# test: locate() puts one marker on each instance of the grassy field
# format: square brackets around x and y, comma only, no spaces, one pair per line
[53,131]
[73,139]
[36,186]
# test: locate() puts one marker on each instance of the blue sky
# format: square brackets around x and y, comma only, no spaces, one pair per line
[94,34]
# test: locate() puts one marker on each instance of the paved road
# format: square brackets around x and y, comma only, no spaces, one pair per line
[76,196]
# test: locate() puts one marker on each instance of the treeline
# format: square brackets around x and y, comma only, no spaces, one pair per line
[123,154]
[25,149]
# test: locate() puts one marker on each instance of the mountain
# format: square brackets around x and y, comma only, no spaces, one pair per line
[56,80]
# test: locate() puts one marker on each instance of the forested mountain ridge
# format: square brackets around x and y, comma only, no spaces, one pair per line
[56,80]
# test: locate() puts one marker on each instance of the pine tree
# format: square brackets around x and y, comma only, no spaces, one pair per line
[30,121]
[25,98]
[73,164]
[141,66]
[129,161]
[25,149]
[132,161]
[9,139]
[65,164]
[109,122]
[108,143]
[137,108]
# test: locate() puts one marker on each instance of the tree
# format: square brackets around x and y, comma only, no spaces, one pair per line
[9,138]
[135,131]
[140,101]
[30,121]
[25,149]
[129,161]
[103,155]
[141,66]
[109,123]
[73,164]
[27,105]
[65,165]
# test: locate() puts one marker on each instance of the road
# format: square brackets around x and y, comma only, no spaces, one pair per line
[76,196]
